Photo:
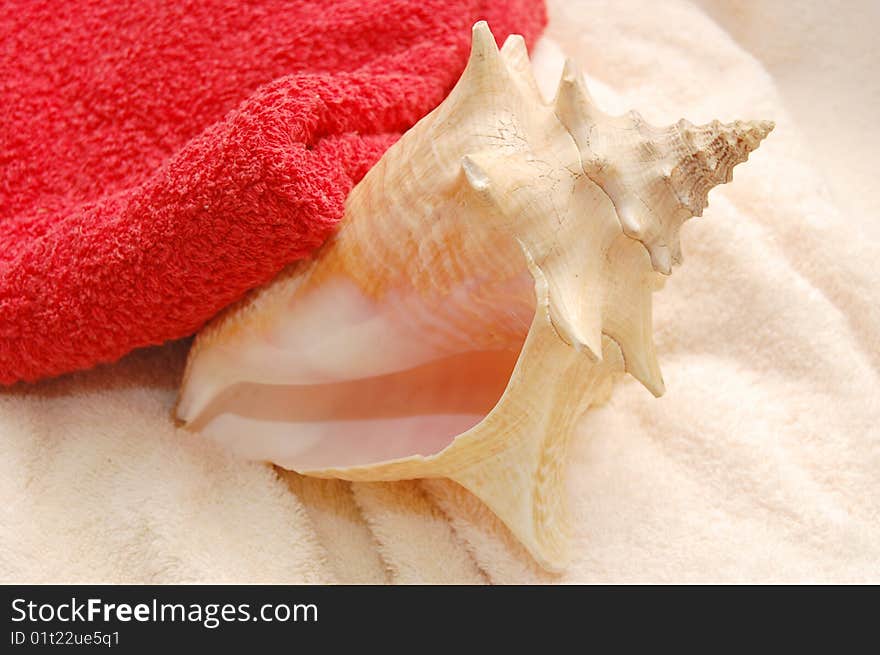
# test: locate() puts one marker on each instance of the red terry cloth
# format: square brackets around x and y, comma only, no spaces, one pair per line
[161,158]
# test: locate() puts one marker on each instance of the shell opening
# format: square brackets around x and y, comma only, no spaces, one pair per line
[403,381]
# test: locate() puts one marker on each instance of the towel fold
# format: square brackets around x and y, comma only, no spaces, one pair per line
[160,159]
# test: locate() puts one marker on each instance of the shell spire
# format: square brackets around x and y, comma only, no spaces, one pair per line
[712,152]
[669,171]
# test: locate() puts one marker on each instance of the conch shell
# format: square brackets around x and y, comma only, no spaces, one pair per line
[492,274]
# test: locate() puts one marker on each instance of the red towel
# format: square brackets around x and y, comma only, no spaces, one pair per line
[161,158]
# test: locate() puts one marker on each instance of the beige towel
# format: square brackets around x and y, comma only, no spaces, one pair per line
[761,462]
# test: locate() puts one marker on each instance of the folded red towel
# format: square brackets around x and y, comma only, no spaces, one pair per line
[160,159]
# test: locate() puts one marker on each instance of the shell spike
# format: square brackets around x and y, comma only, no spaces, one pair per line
[485,69]
[516,55]
[484,50]
[572,74]
[574,105]
[475,173]
[575,108]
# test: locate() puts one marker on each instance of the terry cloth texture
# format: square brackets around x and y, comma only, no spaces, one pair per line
[159,159]
[759,464]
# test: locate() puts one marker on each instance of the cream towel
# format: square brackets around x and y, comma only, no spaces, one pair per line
[761,463]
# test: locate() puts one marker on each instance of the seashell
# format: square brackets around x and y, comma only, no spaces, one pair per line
[491,277]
